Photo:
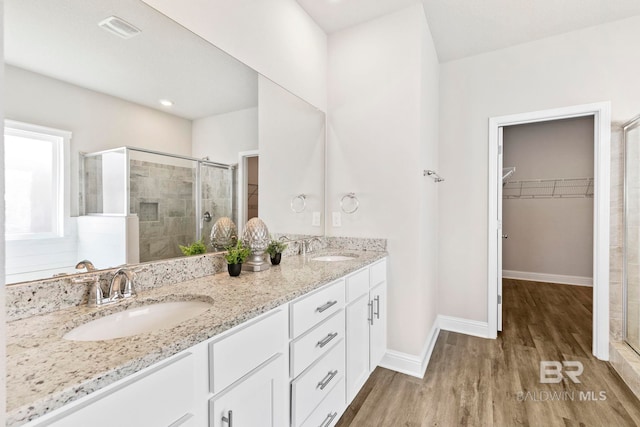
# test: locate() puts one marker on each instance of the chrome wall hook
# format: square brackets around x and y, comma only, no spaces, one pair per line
[433,174]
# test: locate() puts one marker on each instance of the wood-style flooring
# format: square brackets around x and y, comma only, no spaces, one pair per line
[479,382]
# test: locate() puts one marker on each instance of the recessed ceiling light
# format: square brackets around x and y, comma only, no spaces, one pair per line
[166,102]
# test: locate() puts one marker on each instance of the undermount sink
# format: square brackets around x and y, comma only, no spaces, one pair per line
[332,258]
[137,320]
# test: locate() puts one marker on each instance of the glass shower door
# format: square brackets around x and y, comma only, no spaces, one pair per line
[632,233]
[216,201]
[162,191]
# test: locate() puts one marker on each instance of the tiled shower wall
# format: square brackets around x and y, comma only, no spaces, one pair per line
[632,219]
[163,198]
[616,233]
[624,360]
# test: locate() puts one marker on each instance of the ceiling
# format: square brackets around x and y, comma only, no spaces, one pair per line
[462,28]
[61,39]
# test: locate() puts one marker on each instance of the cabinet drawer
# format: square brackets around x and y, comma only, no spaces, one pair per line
[357,284]
[163,396]
[378,272]
[237,354]
[327,414]
[310,388]
[307,348]
[314,308]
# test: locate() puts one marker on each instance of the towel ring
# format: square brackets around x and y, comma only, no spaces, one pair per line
[353,200]
[299,203]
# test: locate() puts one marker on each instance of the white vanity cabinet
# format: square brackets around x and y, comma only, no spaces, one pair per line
[162,395]
[378,324]
[248,374]
[297,365]
[317,355]
[366,324]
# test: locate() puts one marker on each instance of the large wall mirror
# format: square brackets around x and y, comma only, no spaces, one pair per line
[126,135]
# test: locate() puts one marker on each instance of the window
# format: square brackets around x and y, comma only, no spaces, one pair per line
[34,180]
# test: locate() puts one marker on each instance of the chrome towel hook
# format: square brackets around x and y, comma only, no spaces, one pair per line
[433,174]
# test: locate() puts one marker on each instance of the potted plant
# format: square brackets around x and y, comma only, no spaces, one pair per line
[275,250]
[235,256]
[195,248]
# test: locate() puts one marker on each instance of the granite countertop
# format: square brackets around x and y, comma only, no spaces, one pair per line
[45,371]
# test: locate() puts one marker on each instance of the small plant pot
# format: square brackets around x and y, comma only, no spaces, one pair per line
[275,260]
[234,269]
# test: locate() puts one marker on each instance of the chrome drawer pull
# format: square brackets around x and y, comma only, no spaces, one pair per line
[327,421]
[370,318]
[327,340]
[377,312]
[327,306]
[229,420]
[327,379]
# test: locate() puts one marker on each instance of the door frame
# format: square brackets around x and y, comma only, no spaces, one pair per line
[242,187]
[601,113]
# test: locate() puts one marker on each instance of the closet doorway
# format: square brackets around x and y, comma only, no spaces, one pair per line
[599,114]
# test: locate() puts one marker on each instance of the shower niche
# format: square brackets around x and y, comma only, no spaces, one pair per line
[147,203]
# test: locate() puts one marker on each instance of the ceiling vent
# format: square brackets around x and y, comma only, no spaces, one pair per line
[119,27]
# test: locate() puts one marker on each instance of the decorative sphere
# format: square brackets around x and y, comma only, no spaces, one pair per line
[223,233]
[256,235]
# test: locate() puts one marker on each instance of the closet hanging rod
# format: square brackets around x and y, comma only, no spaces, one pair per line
[433,174]
[548,188]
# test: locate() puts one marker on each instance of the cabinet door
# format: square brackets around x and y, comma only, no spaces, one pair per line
[378,330]
[358,315]
[257,400]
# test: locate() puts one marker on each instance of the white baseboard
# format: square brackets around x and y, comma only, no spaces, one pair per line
[416,366]
[548,278]
[410,364]
[464,326]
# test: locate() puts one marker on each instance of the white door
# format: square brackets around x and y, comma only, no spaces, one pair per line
[258,400]
[358,319]
[378,330]
[499,234]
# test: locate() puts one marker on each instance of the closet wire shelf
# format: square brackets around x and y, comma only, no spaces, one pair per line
[548,188]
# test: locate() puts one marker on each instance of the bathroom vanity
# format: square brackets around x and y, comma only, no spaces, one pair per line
[289,346]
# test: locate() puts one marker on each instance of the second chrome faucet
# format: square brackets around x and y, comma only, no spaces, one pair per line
[117,289]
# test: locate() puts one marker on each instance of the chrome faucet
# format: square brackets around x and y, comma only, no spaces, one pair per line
[308,244]
[116,290]
[85,263]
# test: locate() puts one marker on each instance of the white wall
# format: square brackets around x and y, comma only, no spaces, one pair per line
[112,233]
[549,235]
[382,118]
[97,121]
[292,159]
[3,390]
[223,136]
[590,65]
[275,37]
